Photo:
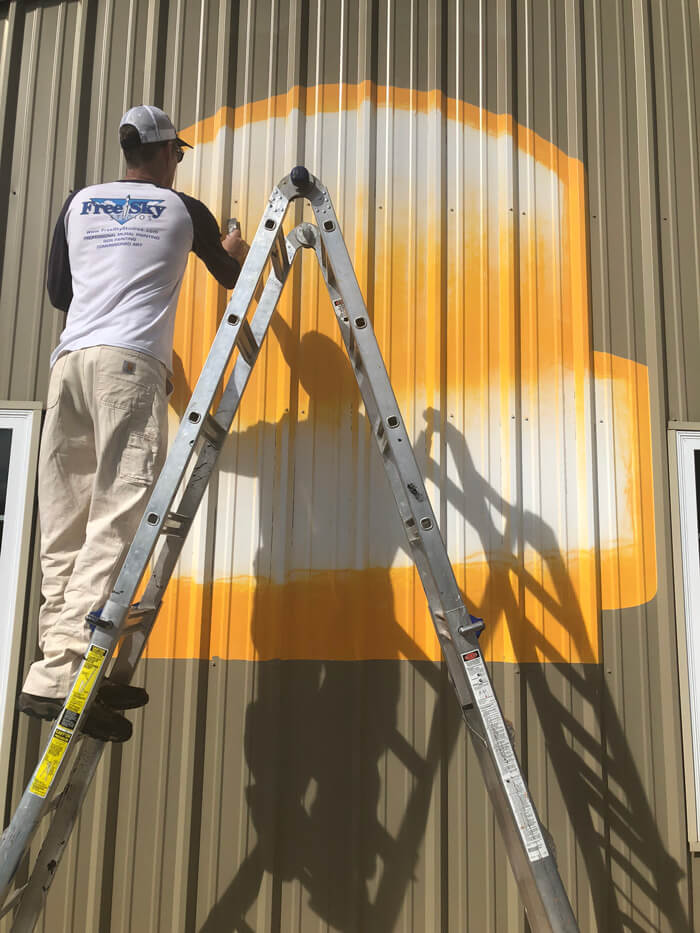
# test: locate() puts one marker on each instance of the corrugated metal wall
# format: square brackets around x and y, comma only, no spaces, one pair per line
[517,181]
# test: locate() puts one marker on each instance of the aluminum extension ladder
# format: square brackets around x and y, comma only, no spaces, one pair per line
[203,432]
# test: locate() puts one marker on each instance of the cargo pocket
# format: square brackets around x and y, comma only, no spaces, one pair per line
[137,465]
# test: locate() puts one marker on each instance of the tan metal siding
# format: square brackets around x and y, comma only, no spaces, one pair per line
[518,186]
[676,30]
[639,647]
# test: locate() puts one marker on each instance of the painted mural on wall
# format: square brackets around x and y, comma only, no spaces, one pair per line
[535,446]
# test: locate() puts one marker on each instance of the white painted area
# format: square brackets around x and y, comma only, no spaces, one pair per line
[520,467]
[14,560]
[616,450]
[688,442]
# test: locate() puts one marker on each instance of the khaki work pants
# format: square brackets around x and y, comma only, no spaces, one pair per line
[102,447]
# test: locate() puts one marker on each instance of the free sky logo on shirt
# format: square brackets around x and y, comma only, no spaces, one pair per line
[122,210]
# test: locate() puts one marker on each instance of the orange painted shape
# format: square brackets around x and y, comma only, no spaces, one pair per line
[354,615]
[548,609]
[628,569]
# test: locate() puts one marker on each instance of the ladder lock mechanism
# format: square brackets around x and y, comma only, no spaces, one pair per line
[306,235]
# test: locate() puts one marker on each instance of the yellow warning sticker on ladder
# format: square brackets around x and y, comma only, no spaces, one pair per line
[53,756]
[48,766]
[94,659]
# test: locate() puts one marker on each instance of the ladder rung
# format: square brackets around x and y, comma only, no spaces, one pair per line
[380,432]
[412,531]
[176,525]
[247,344]
[279,257]
[138,617]
[327,268]
[54,803]
[13,900]
[138,614]
[214,432]
[354,352]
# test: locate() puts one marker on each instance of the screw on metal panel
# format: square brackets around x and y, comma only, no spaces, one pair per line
[329,226]
[152,518]
[426,523]
[269,224]
[194,417]
[360,322]
[233,319]
[392,421]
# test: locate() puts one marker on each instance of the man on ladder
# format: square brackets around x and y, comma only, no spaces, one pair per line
[117,260]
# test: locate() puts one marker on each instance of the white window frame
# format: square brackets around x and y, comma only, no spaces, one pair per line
[24,419]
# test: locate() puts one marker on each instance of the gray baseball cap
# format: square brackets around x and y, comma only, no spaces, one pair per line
[152,123]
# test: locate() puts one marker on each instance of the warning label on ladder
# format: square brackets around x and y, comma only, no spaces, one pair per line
[504,756]
[53,756]
[94,660]
[44,775]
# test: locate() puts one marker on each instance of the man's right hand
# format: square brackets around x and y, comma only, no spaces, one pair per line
[236,246]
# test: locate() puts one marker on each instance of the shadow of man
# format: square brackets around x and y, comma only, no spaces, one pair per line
[588,763]
[317,731]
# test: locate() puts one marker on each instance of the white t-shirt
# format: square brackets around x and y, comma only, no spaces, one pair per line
[117,260]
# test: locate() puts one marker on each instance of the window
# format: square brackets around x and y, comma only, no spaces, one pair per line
[19,442]
[684,451]
[5,445]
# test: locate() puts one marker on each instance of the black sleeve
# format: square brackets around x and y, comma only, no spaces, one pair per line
[206,243]
[59,280]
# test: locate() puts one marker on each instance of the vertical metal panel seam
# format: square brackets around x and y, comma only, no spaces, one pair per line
[665,645]
[693,162]
[668,191]
[8,53]
[98,168]
[20,142]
